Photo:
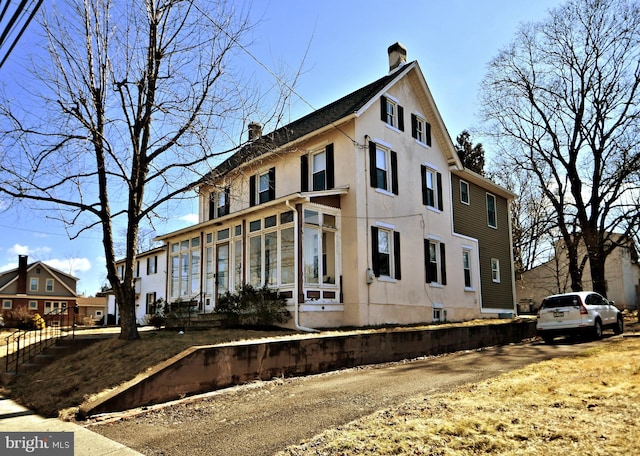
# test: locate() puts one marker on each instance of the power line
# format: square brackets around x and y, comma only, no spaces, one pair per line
[20,18]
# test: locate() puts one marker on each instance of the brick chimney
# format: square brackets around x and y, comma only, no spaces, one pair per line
[397,56]
[255,130]
[22,274]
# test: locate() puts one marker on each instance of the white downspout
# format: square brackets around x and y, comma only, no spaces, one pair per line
[296,279]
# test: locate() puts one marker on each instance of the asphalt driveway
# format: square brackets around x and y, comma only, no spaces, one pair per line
[264,417]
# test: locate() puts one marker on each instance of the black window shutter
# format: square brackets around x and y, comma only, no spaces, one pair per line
[400,118]
[272,184]
[372,164]
[374,251]
[439,189]
[304,173]
[227,200]
[443,265]
[212,205]
[423,171]
[330,167]
[414,126]
[383,109]
[394,172]
[396,254]
[252,190]
[427,133]
[427,261]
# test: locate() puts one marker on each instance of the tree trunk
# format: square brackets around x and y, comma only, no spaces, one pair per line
[598,280]
[125,297]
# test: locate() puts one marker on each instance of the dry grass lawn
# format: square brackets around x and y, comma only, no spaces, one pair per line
[106,364]
[586,405]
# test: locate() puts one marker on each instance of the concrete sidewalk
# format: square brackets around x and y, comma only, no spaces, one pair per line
[16,418]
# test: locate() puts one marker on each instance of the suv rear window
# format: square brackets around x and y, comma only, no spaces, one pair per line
[560,301]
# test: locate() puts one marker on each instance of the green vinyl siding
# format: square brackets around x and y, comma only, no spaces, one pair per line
[471,220]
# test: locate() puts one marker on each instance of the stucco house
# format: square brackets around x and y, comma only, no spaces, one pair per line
[37,288]
[150,284]
[622,273]
[348,212]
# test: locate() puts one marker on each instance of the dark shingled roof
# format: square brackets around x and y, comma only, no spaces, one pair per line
[319,118]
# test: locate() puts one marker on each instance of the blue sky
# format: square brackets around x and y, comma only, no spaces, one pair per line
[340,46]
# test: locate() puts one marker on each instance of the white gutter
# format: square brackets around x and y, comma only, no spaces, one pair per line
[296,279]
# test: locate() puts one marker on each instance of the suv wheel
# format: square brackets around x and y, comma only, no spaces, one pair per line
[619,327]
[597,330]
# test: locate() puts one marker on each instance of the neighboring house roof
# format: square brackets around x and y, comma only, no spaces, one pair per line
[9,277]
[91,302]
[145,254]
[485,183]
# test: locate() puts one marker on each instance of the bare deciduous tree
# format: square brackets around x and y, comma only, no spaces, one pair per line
[133,103]
[563,103]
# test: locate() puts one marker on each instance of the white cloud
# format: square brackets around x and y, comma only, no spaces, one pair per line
[18,249]
[71,266]
[189,218]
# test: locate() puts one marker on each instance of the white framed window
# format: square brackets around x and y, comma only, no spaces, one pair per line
[392,113]
[7,304]
[271,252]
[421,129]
[33,305]
[495,270]
[492,217]
[152,265]
[386,251]
[432,195]
[151,304]
[33,284]
[219,204]
[466,268]
[383,164]
[319,171]
[49,285]
[185,268]
[262,187]
[319,247]
[464,193]
[435,262]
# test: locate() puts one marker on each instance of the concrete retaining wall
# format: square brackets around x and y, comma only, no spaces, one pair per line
[201,369]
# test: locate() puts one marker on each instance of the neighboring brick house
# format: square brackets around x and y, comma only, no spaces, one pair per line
[150,284]
[622,273]
[36,287]
[348,213]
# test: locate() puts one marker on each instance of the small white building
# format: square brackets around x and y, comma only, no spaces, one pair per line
[150,284]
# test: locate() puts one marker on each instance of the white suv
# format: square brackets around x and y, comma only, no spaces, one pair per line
[583,312]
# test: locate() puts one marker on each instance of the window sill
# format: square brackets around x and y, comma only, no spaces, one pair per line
[384,192]
[425,145]
[392,128]
[434,209]
[387,279]
[471,290]
[436,285]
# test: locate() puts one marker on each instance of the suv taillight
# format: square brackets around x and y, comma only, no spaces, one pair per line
[583,309]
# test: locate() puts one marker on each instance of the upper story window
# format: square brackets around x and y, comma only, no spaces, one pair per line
[421,129]
[431,188]
[492,218]
[317,170]
[152,265]
[464,192]
[435,265]
[33,284]
[391,113]
[121,271]
[219,203]
[262,187]
[383,168]
[385,243]
[137,270]
[49,285]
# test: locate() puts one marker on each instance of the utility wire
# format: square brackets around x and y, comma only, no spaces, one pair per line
[21,14]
